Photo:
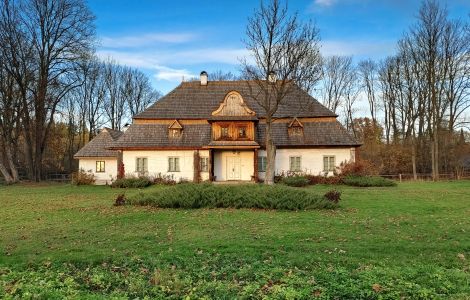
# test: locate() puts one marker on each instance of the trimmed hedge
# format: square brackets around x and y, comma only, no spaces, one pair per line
[132,182]
[364,181]
[231,196]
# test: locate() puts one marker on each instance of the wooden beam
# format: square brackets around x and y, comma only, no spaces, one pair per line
[255,165]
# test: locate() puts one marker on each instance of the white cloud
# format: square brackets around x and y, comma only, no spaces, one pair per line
[146,40]
[324,3]
[170,74]
[147,58]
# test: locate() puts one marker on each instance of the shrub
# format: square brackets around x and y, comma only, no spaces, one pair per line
[120,200]
[368,181]
[358,168]
[297,181]
[164,179]
[83,178]
[132,182]
[231,196]
[333,196]
[324,179]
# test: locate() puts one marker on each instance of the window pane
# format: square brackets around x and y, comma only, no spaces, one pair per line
[262,164]
[177,164]
[332,163]
[325,164]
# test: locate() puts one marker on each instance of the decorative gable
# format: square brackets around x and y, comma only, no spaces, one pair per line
[175,129]
[233,105]
[295,128]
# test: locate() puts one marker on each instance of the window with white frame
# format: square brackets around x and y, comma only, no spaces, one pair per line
[100,166]
[328,163]
[261,163]
[204,164]
[173,164]
[295,163]
[141,165]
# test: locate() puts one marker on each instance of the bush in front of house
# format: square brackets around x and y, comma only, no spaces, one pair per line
[164,179]
[322,179]
[368,181]
[296,181]
[83,178]
[360,167]
[132,182]
[231,196]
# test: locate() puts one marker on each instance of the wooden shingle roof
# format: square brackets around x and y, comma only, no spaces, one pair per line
[99,145]
[315,134]
[142,136]
[191,100]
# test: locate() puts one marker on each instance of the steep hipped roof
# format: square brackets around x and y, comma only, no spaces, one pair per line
[314,134]
[191,100]
[98,146]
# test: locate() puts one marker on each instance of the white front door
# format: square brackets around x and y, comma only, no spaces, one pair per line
[233,168]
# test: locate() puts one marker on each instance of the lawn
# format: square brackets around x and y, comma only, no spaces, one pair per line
[410,241]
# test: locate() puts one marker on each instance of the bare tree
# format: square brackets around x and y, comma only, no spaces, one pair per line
[336,79]
[284,48]
[222,76]
[48,37]
[137,90]
[9,124]
[367,71]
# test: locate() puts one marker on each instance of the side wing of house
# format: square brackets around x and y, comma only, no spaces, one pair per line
[95,157]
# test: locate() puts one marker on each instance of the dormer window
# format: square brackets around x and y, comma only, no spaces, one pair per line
[175,133]
[295,128]
[175,130]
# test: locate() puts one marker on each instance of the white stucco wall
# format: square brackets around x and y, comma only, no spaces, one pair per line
[110,167]
[311,159]
[246,164]
[157,162]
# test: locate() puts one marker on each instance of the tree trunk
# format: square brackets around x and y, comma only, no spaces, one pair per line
[270,154]
[6,174]
[11,163]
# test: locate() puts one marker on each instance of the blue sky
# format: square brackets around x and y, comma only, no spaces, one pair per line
[171,39]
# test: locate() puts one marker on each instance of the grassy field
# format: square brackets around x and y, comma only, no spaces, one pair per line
[410,241]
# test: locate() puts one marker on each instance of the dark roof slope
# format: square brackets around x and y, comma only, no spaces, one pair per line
[195,136]
[314,134]
[190,100]
[98,146]
[156,135]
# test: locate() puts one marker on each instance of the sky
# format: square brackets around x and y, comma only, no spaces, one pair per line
[172,40]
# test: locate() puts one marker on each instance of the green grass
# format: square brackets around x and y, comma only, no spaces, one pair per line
[412,240]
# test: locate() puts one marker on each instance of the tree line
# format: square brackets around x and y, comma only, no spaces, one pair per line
[418,99]
[53,88]
[55,94]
